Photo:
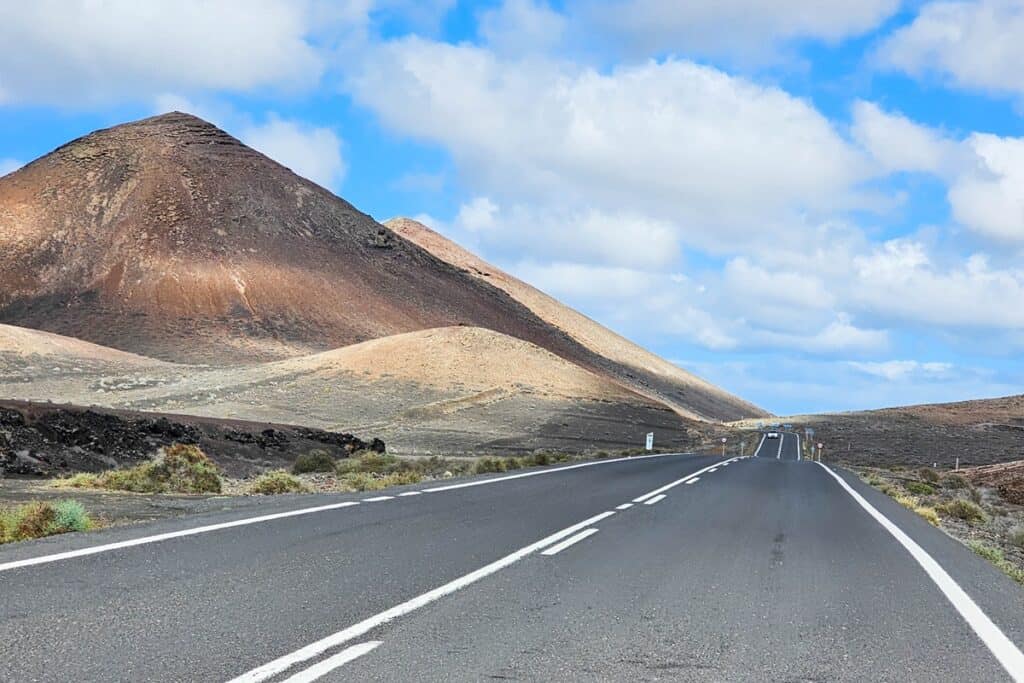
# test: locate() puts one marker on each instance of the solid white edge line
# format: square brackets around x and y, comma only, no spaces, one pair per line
[624,506]
[521,475]
[93,550]
[572,540]
[763,437]
[287,661]
[377,499]
[677,482]
[331,663]
[657,499]
[411,493]
[1008,654]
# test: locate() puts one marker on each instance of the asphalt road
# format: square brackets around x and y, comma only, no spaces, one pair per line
[762,569]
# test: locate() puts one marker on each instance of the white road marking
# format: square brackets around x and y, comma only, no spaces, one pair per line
[763,437]
[285,662]
[572,540]
[624,506]
[331,663]
[96,549]
[798,446]
[1008,654]
[677,482]
[713,469]
[692,481]
[378,499]
[495,480]
[411,493]
[782,440]
[657,499]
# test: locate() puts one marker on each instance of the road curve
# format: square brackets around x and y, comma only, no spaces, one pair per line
[666,568]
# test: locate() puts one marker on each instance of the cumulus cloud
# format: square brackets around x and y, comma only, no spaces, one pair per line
[74,52]
[312,152]
[521,27]
[9,166]
[715,155]
[973,45]
[989,196]
[902,370]
[744,28]
[899,144]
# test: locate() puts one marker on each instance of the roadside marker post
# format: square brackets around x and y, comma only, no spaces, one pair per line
[820,446]
[724,439]
[650,441]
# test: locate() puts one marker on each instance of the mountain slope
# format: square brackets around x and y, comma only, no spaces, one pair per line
[639,369]
[169,238]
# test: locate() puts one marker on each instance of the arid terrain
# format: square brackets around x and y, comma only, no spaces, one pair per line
[977,432]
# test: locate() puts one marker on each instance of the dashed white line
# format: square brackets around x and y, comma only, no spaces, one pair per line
[782,440]
[657,499]
[1008,654]
[763,437]
[572,540]
[713,469]
[378,499]
[624,506]
[96,549]
[306,653]
[331,663]
[692,481]
[411,493]
[677,482]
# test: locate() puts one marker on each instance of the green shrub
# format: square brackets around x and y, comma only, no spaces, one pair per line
[487,464]
[962,509]
[179,468]
[275,482]
[955,481]
[314,461]
[920,488]
[38,519]
[514,463]
[928,474]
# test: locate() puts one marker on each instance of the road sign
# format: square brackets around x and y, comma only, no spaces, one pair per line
[650,440]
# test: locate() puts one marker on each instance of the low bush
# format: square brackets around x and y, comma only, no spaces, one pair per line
[314,461]
[928,474]
[909,502]
[996,557]
[920,488]
[487,464]
[962,509]
[1016,536]
[929,513]
[275,482]
[38,519]
[955,481]
[179,468]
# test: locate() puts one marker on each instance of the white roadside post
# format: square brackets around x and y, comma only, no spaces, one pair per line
[724,439]
[820,446]
[650,441]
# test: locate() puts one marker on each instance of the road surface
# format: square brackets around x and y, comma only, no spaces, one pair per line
[689,568]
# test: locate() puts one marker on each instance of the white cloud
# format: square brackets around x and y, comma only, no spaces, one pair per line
[903,370]
[974,45]
[312,152]
[777,286]
[839,336]
[9,166]
[716,156]
[989,196]
[743,28]
[899,144]
[522,26]
[79,52]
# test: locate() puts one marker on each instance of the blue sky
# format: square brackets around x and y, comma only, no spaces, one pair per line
[817,205]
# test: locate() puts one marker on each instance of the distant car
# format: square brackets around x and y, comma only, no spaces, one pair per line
[773,435]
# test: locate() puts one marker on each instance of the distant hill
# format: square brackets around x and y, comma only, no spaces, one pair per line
[170,239]
[631,365]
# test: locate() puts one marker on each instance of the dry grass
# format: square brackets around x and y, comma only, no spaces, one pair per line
[38,519]
[276,482]
[179,468]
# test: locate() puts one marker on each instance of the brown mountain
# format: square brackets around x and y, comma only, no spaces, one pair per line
[169,238]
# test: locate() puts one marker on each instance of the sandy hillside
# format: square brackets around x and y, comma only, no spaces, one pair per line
[23,342]
[640,370]
[447,390]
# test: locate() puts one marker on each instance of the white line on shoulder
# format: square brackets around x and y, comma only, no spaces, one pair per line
[572,540]
[331,663]
[1008,654]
